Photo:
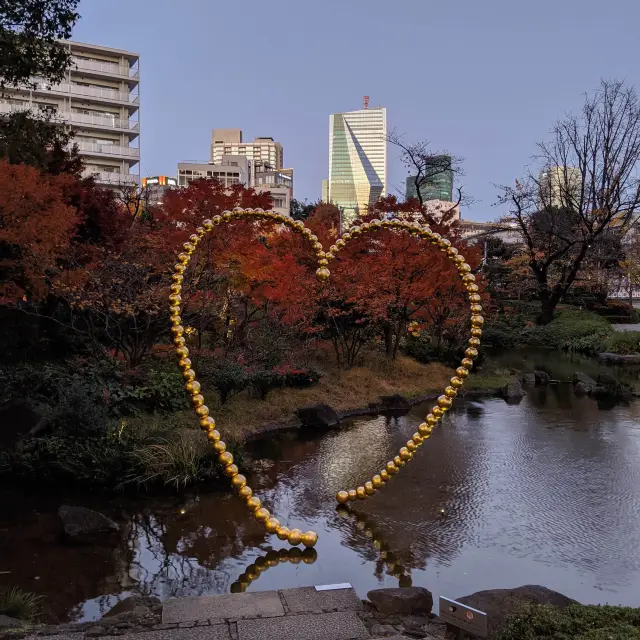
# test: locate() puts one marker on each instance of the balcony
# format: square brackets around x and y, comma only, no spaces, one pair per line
[99,93]
[109,68]
[111,150]
[113,179]
[101,122]
[14,108]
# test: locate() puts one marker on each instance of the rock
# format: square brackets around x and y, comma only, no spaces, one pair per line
[600,392]
[542,377]
[320,416]
[396,401]
[581,389]
[6,622]
[616,358]
[606,380]
[382,630]
[134,605]
[512,391]
[529,378]
[499,603]
[584,379]
[79,522]
[401,601]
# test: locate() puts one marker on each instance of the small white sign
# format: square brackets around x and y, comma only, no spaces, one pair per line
[331,587]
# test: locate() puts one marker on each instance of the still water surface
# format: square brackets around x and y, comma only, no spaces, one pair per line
[544,492]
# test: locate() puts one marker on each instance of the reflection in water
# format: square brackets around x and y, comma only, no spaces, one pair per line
[271,559]
[544,492]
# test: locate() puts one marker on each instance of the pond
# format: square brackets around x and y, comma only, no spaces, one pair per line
[543,492]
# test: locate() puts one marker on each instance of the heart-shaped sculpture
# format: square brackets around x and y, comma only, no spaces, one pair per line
[207,423]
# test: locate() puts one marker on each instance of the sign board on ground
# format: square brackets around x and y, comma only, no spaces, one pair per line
[465,618]
[331,587]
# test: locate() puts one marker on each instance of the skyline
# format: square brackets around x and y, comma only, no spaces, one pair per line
[498,89]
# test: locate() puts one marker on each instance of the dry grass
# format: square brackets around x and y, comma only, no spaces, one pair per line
[342,390]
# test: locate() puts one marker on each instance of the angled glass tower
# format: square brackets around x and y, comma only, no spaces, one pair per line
[357,160]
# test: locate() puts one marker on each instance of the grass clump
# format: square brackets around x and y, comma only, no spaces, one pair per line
[579,622]
[574,330]
[623,342]
[20,604]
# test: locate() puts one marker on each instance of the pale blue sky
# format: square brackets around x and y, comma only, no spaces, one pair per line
[483,79]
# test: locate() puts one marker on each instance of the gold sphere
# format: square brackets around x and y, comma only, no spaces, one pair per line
[231,470]
[475,298]
[450,392]
[323,262]
[272,525]
[253,503]
[477,321]
[207,224]
[391,468]
[474,342]
[184,363]
[417,438]
[405,454]
[261,514]
[365,226]
[377,482]
[323,274]
[476,308]
[346,236]
[177,278]
[183,258]
[412,446]
[200,231]
[471,353]
[361,493]
[207,423]
[226,216]
[175,298]
[283,533]
[437,411]
[238,481]
[295,537]
[398,461]
[467,363]
[179,341]
[216,220]
[189,247]
[194,238]
[462,372]
[309,539]
[353,495]
[459,259]
[355,231]
[317,247]
[445,402]
[219,446]
[384,475]
[225,457]
[340,243]
[476,332]
[177,330]
[197,400]
[469,277]
[472,288]
[456,382]
[175,288]
[245,492]
[179,267]
[193,386]
[369,488]
[452,251]
[342,497]
[182,352]
[202,411]
[424,429]
[431,419]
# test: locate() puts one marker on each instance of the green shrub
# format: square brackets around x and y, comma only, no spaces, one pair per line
[263,381]
[227,378]
[574,330]
[156,390]
[623,342]
[579,622]
[20,604]
[425,351]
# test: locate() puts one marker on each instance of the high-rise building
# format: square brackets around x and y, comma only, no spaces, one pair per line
[264,151]
[560,187]
[436,183]
[155,187]
[99,99]
[325,191]
[357,160]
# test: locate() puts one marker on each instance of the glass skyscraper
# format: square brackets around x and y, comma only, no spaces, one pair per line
[436,183]
[357,160]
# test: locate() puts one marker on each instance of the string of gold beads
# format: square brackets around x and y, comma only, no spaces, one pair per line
[193,387]
[445,401]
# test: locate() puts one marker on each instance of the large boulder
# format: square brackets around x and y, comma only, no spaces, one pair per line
[529,379]
[136,605]
[7,622]
[499,603]
[542,377]
[581,389]
[402,601]
[512,391]
[319,416]
[582,378]
[616,358]
[80,523]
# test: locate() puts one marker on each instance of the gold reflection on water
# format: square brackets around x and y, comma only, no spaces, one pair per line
[388,559]
[272,559]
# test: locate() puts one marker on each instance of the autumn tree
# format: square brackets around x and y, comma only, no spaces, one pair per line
[587,183]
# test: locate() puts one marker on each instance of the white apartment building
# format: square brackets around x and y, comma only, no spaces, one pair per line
[262,151]
[99,98]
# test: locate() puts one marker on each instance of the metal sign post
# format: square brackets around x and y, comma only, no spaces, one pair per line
[464,618]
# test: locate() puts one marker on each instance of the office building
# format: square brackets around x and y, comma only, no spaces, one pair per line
[230,170]
[560,187]
[325,191]
[99,99]
[262,151]
[357,160]
[155,187]
[279,184]
[436,183]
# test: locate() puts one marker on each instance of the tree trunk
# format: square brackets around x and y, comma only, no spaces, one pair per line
[388,341]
